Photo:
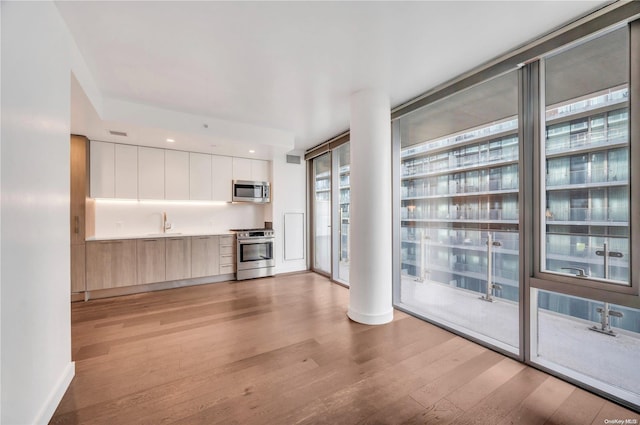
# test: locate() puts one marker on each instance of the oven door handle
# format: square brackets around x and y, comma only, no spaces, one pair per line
[254,241]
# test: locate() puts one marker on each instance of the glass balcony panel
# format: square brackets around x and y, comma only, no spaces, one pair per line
[592,356]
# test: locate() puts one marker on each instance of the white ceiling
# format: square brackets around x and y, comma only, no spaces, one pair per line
[284,69]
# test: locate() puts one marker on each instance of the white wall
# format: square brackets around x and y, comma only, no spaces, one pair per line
[35,327]
[288,195]
[133,218]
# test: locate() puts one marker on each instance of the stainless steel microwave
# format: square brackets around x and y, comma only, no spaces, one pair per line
[251,191]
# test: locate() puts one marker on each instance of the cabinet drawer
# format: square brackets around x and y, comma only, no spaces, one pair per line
[227,240]
[227,268]
[227,259]
[226,249]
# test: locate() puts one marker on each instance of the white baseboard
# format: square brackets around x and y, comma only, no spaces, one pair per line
[47,411]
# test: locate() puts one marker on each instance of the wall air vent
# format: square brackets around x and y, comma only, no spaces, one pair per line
[118,133]
[293,159]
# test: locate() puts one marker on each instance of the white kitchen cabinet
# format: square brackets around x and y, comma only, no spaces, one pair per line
[200,176]
[126,171]
[221,178]
[250,169]
[176,175]
[260,170]
[241,169]
[150,173]
[102,169]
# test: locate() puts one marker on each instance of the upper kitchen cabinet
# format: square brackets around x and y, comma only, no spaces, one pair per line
[241,169]
[200,176]
[150,173]
[102,168]
[221,177]
[250,169]
[260,170]
[126,171]
[113,170]
[176,175]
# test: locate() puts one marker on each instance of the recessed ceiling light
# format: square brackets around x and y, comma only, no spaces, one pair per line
[252,151]
[170,140]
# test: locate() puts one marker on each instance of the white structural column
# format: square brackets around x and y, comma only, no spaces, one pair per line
[370,293]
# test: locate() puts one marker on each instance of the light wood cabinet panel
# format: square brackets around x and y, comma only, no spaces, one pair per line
[241,169]
[226,249]
[260,170]
[126,171]
[227,254]
[178,258]
[227,259]
[221,178]
[150,254]
[77,267]
[227,268]
[110,264]
[200,176]
[78,188]
[176,175]
[102,166]
[205,256]
[150,173]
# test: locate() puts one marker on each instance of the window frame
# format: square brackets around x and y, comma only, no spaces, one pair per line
[597,289]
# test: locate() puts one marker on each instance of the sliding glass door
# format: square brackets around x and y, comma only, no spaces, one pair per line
[331,219]
[322,213]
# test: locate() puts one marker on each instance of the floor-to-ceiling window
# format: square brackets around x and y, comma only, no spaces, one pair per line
[459,211]
[516,222]
[584,251]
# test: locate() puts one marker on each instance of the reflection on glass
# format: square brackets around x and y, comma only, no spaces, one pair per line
[586,184]
[459,212]
[322,213]
[344,160]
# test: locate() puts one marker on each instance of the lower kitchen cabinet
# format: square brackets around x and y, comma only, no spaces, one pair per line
[78,268]
[178,258]
[116,263]
[227,254]
[150,254]
[205,256]
[110,264]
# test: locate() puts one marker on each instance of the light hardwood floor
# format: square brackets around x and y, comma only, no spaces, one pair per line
[282,351]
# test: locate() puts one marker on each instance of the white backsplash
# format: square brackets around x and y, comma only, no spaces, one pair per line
[123,218]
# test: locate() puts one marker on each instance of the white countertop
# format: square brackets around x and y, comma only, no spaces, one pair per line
[155,235]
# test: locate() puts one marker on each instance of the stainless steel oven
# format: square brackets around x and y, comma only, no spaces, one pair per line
[255,254]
